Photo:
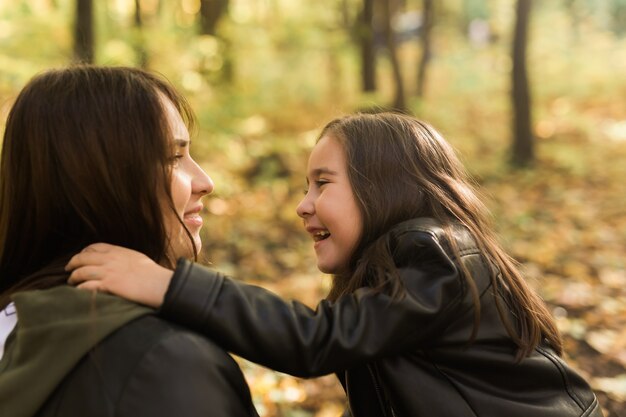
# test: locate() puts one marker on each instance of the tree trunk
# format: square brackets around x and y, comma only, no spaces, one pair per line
[399,100]
[618,17]
[427,24]
[140,48]
[523,140]
[138,20]
[573,9]
[365,31]
[345,13]
[83,32]
[210,13]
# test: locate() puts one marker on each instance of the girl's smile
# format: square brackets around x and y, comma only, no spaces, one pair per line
[329,210]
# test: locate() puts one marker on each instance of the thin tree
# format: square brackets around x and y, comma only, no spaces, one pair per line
[523,139]
[83,32]
[399,100]
[140,48]
[365,34]
[211,11]
[427,24]
[574,12]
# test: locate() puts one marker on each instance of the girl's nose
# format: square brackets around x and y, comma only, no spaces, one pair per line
[305,208]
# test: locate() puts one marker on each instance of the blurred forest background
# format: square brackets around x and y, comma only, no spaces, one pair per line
[532,95]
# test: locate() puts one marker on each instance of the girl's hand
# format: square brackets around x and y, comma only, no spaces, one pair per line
[120,271]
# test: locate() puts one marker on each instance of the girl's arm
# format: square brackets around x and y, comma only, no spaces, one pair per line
[120,271]
[290,337]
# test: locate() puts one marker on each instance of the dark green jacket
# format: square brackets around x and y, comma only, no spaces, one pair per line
[76,353]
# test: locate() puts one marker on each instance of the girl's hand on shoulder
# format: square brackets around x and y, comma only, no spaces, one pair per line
[120,271]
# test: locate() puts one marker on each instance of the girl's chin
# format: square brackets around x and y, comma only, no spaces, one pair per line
[331,269]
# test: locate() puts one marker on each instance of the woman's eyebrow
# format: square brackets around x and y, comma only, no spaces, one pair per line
[182,142]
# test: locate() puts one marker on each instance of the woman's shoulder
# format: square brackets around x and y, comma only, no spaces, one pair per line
[205,378]
[152,335]
[153,367]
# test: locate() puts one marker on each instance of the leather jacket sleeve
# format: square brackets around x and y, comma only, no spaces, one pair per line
[290,337]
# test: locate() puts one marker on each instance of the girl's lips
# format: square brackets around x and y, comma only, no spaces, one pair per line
[318,234]
[319,243]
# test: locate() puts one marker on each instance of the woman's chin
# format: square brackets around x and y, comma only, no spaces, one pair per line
[198,242]
[184,249]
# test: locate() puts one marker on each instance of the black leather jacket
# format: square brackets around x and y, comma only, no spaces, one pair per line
[76,354]
[152,368]
[407,357]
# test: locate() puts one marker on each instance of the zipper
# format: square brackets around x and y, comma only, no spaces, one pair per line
[382,398]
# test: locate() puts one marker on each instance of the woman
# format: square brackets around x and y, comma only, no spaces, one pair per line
[101,154]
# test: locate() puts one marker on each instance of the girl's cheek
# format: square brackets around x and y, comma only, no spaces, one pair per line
[320,202]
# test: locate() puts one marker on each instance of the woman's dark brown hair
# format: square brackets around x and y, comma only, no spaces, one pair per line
[401,168]
[86,158]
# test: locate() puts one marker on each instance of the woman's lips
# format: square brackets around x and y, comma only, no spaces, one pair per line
[193,219]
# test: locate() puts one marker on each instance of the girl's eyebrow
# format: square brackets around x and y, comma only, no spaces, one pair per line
[323,170]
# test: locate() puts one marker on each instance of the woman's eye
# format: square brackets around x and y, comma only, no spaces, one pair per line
[174,160]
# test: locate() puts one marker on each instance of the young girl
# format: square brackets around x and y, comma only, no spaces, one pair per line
[427,314]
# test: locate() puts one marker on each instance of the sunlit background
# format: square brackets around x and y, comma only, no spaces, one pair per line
[265,75]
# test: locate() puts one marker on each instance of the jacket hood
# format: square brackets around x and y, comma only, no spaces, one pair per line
[55,329]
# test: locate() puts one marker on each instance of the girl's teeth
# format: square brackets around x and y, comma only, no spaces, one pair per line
[321,235]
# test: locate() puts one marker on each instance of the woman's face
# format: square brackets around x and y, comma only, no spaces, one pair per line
[329,210]
[189,184]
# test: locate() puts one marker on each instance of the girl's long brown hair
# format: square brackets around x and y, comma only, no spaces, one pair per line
[86,157]
[401,168]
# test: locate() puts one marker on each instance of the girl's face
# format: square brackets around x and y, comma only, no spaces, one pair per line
[189,184]
[329,210]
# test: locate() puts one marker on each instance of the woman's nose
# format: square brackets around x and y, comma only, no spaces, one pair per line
[203,184]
